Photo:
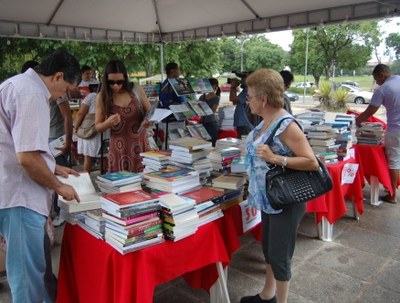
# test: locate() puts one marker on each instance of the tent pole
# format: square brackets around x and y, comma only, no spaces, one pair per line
[162,61]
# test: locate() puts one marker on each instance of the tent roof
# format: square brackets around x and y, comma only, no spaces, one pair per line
[152,21]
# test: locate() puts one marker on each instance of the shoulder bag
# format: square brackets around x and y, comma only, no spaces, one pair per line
[286,187]
[87,129]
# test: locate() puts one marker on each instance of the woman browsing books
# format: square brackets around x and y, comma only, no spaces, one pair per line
[122,111]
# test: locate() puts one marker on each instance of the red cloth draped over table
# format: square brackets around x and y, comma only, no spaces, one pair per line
[92,271]
[332,205]
[372,159]
[227,133]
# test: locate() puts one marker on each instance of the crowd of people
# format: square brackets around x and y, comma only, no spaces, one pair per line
[34,109]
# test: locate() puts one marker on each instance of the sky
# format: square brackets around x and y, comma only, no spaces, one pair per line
[285,38]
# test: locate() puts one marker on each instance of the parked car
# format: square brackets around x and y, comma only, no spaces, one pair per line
[303,84]
[292,95]
[357,95]
[351,83]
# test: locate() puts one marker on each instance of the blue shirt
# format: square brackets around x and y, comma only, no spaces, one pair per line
[240,116]
[168,95]
[256,168]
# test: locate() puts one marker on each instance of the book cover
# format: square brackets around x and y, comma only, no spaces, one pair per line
[56,146]
[126,199]
[204,194]
[120,177]
[181,86]
[161,155]
[201,85]
[130,220]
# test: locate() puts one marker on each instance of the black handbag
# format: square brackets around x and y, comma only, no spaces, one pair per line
[286,187]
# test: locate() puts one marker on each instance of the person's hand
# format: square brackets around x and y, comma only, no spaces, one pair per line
[114,120]
[65,171]
[67,192]
[265,153]
[66,150]
[234,84]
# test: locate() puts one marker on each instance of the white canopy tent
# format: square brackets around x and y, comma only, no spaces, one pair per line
[155,21]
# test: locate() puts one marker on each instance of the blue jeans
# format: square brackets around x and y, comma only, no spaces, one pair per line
[24,231]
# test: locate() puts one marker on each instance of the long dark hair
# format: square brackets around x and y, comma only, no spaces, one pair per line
[214,81]
[112,67]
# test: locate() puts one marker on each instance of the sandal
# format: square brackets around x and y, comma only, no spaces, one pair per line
[387,199]
[257,299]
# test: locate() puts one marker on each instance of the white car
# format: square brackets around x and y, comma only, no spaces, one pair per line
[357,95]
[303,84]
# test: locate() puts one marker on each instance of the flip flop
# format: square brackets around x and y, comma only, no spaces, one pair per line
[387,199]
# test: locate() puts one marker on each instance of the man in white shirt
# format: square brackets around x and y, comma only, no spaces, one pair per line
[28,170]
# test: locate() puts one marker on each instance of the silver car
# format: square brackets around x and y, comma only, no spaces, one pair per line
[357,95]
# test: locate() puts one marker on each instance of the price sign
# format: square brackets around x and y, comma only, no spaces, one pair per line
[250,216]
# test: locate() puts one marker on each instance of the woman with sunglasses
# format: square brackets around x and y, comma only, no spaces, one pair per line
[122,111]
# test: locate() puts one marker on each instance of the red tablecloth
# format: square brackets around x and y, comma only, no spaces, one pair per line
[92,271]
[373,162]
[227,133]
[332,205]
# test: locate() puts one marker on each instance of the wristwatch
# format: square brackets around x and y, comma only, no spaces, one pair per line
[284,162]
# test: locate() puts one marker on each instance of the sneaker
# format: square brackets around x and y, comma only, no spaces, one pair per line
[58,221]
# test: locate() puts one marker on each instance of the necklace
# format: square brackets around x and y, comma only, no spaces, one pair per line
[267,124]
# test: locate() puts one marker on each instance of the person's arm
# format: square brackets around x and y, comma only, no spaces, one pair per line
[37,169]
[233,97]
[368,112]
[143,98]
[65,111]
[296,141]
[102,122]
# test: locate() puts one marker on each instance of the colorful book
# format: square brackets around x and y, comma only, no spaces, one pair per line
[127,199]
[204,194]
[120,177]
[130,220]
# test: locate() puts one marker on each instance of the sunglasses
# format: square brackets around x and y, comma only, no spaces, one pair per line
[118,82]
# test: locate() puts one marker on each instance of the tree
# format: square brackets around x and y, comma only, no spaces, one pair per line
[343,46]
[393,41]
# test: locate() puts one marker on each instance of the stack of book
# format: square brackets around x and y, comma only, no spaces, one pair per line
[207,210]
[180,218]
[173,179]
[314,117]
[225,115]
[195,159]
[370,133]
[221,159]
[154,160]
[117,182]
[322,139]
[346,138]
[230,142]
[132,220]
[237,165]
[94,223]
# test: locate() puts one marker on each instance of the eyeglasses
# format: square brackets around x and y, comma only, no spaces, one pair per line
[118,82]
[248,98]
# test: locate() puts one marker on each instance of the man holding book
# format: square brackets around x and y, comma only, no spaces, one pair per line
[28,171]
[167,93]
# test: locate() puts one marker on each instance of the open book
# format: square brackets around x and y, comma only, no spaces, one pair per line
[83,185]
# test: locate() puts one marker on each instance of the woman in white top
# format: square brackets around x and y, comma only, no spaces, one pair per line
[89,148]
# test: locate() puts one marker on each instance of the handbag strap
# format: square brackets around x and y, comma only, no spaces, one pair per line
[271,135]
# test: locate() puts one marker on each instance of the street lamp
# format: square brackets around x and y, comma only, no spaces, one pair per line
[306,65]
[241,53]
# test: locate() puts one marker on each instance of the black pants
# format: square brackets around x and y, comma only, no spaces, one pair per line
[279,232]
